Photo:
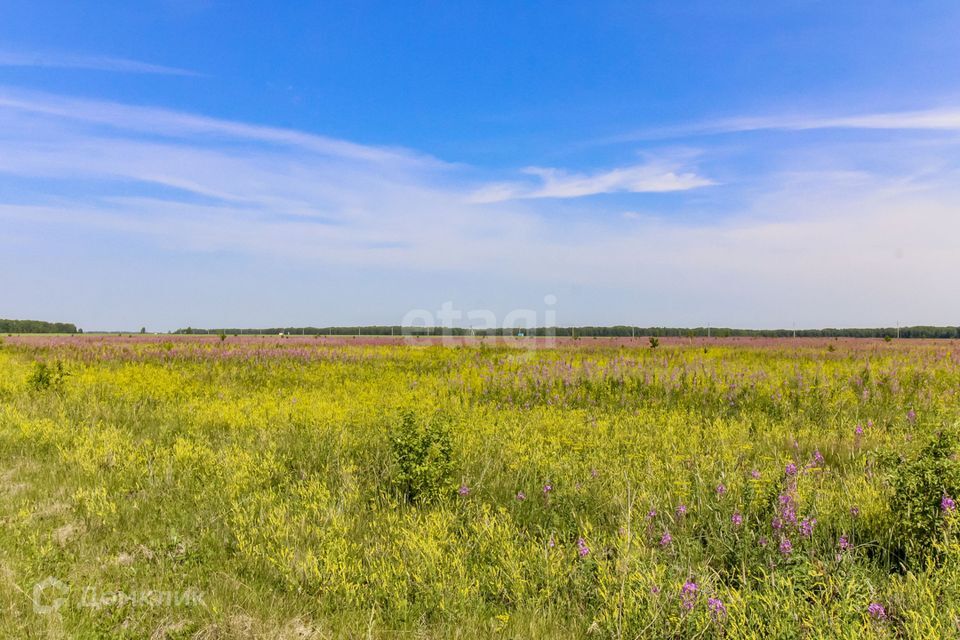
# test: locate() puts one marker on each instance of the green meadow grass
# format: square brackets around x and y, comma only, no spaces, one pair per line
[301,489]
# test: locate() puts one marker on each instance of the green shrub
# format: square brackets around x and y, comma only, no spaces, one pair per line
[45,376]
[919,486]
[423,458]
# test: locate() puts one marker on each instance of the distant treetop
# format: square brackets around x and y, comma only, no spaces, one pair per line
[36,326]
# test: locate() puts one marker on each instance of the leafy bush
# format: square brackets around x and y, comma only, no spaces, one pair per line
[45,376]
[919,487]
[423,457]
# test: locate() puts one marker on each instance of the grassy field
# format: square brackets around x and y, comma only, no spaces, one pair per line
[309,487]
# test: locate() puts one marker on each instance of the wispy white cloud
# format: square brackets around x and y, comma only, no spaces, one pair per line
[52,60]
[940,119]
[209,183]
[934,119]
[201,129]
[557,183]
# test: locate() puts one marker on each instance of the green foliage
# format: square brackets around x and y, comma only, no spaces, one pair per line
[919,485]
[36,326]
[654,342]
[44,376]
[423,458]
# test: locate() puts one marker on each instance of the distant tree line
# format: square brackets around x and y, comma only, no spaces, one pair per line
[37,326]
[618,331]
[377,330]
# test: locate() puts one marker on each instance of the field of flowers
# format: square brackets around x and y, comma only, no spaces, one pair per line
[307,487]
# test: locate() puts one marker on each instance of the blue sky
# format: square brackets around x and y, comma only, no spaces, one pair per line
[247,164]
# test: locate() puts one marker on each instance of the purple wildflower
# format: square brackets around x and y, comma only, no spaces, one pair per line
[762,541]
[911,416]
[547,488]
[551,543]
[817,458]
[717,608]
[947,503]
[876,611]
[844,544]
[594,473]
[464,490]
[786,547]
[682,510]
[721,489]
[791,469]
[788,511]
[521,496]
[755,474]
[666,539]
[855,511]
[689,594]
[858,430]
[736,519]
[582,548]
[654,589]
[651,514]
[806,527]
